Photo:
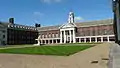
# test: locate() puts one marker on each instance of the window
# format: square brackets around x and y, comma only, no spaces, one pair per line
[42,36]
[105,31]
[11,25]
[15,26]
[20,26]
[93,32]
[3,36]
[39,33]
[45,36]
[56,35]
[49,36]
[3,31]
[8,25]
[53,35]
[3,42]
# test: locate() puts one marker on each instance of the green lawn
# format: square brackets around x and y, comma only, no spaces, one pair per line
[47,50]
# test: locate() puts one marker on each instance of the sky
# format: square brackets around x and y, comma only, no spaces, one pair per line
[54,12]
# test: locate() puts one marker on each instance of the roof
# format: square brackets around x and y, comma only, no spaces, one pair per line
[4,24]
[16,26]
[48,28]
[95,23]
[67,25]
[80,24]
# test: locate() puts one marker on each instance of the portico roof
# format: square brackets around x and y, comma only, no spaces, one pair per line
[67,25]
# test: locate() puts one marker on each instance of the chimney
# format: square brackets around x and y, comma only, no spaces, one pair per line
[11,20]
[37,25]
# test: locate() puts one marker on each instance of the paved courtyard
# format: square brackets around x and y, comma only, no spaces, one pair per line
[79,60]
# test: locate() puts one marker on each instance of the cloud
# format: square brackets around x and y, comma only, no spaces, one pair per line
[38,14]
[78,18]
[51,1]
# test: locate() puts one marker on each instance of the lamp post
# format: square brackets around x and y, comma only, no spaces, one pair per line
[116,24]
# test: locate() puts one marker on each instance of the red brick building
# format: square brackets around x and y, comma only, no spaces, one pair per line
[16,34]
[71,32]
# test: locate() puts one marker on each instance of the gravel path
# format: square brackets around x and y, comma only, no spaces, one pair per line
[79,60]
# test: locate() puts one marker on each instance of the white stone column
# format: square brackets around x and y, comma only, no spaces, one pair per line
[101,39]
[64,37]
[38,42]
[61,37]
[56,41]
[95,39]
[108,39]
[90,39]
[48,41]
[41,41]
[85,40]
[70,36]
[45,41]
[79,40]
[74,41]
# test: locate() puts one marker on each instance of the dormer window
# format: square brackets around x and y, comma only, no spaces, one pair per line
[11,25]
[15,26]
[8,25]
[20,26]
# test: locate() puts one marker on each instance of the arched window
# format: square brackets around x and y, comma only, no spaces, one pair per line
[53,35]
[46,36]
[42,36]
[56,35]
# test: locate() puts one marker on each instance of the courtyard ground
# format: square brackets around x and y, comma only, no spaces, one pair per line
[79,60]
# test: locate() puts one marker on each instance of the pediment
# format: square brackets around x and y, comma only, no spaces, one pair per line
[68,25]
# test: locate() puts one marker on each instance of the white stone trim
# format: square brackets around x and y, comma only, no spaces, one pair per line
[70,35]
[61,36]
[101,39]
[49,38]
[64,36]
[74,40]
[94,36]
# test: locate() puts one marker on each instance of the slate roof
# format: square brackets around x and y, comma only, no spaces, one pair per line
[80,24]
[6,24]
[95,23]
[48,28]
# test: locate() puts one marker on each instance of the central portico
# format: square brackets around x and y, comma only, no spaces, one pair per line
[67,31]
[67,35]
